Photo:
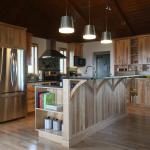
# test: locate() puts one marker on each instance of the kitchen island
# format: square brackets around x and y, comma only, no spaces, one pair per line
[88,105]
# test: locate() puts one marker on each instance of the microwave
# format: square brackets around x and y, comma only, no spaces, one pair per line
[79,61]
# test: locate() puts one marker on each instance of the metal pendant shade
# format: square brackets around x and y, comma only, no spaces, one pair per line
[106,37]
[89,32]
[66,25]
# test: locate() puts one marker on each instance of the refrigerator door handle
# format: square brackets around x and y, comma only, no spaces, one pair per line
[1,63]
[16,69]
[13,68]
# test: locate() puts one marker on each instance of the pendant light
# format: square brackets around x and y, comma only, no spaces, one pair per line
[66,24]
[89,30]
[106,35]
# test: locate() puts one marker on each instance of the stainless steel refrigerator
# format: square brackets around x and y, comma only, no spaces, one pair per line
[12,84]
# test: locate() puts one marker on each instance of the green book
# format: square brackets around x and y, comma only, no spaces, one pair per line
[48,99]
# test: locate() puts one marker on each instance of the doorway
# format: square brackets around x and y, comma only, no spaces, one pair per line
[102,63]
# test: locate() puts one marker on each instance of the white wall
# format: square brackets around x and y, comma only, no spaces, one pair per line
[88,52]
[61,45]
[41,44]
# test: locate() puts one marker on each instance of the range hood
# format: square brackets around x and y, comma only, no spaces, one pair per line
[51,51]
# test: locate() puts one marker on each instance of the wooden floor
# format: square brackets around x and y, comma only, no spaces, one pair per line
[139,110]
[130,133]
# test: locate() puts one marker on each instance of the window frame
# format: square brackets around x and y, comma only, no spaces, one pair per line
[33,64]
[64,67]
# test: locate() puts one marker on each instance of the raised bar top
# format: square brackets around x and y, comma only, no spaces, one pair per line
[109,77]
[47,85]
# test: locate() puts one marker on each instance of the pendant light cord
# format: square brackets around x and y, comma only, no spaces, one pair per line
[106,15]
[107,9]
[89,11]
[66,7]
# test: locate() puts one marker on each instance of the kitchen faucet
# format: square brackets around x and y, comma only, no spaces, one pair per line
[93,68]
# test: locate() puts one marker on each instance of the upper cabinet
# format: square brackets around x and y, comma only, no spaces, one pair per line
[122,52]
[133,50]
[12,36]
[28,49]
[144,49]
[75,49]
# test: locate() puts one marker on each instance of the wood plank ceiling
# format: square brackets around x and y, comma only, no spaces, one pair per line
[42,17]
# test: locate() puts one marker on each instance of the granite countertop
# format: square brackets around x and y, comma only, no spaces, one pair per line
[107,77]
[47,85]
[50,85]
[36,81]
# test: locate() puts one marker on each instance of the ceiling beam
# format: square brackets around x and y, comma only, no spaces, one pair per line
[124,17]
[79,12]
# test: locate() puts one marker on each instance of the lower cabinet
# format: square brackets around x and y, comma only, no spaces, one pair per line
[30,98]
[140,92]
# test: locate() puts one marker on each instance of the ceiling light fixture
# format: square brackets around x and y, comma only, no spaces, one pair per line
[106,35]
[89,30]
[66,24]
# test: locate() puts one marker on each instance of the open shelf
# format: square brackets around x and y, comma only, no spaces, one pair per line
[41,114]
[48,110]
[55,136]
[134,51]
[58,133]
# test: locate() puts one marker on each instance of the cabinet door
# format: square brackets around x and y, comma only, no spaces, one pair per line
[122,52]
[12,36]
[28,50]
[74,49]
[143,94]
[30,98]
[144,49]
[78,51]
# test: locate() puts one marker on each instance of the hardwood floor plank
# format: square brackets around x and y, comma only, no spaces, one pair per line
[129,133]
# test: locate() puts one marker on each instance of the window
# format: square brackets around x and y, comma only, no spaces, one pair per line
[71,58]
[63,64]
[33,68]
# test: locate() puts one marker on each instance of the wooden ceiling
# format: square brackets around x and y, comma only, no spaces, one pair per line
[42,17]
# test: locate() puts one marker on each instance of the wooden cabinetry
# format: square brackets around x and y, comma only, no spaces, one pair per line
[144,49]
[28,51]
[141,88]
[133,50]
[41,114]
[74,49]
[122,52]
[30,98]
[12,36]
[78,51]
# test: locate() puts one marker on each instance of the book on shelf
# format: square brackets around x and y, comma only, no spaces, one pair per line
[55,107]
[46,99]
[38,104]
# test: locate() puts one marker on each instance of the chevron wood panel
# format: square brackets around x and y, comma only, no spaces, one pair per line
[97,100]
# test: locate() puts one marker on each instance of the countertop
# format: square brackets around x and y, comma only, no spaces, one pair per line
[109,77]
[39,81]
[47,85]
[50,85]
